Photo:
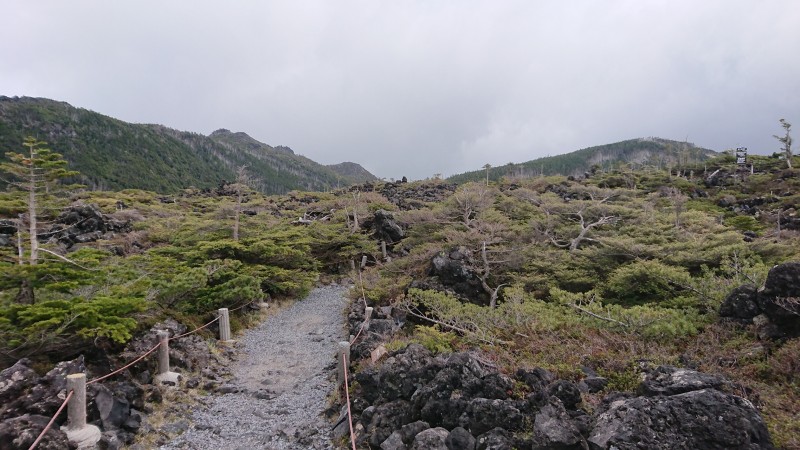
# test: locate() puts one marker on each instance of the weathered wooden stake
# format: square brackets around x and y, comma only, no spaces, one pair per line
[367,317]
[353,265]
[343,362]
[165,376]
[76,410]
[224,325]
[163,352]
[78,432]
[383,249]
[364,261]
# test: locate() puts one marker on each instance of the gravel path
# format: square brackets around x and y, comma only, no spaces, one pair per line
[283,378]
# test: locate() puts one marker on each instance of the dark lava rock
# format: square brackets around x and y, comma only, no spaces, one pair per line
[431,439]
[409,431]
[553,429]
[595,384]
[109,440]
[496,439]
[20,432]
[83,223]
[780,298]
[386,228]
[459,439]
[537,379]
[413,390]
[13,382]
[46,395]
[482,415]
[741,304]
[404,437]
[668,380]
[704,419]
[386,418]
[113,410]
[401,374]
[567,392]
[416,196]
[453,270]
[441,401]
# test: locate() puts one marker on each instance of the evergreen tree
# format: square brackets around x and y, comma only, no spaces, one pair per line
[786,140]
[35,174]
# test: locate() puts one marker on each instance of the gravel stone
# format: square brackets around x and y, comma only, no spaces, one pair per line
[284,375]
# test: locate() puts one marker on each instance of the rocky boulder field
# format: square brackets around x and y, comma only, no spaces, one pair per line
[415,400]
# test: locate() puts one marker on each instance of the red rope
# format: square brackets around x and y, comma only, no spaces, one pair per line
[53,419]
[95,380]
[357,334]
[347,396]
[124,367]
[194,331]
[240,307]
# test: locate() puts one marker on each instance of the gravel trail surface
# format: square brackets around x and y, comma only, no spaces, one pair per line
[282,380]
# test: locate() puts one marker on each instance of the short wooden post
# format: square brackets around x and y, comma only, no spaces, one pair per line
[224,325]
[78,432]
[353,265]
[165,376]
[163,352]
[367,317]
[383,249]
[364,261]
[76,410]
[343,359]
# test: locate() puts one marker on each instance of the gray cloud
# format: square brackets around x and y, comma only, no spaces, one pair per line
[416,88]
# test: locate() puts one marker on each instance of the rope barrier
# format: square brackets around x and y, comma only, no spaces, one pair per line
[347,396]
[364,299]
[95,380]
[363,294]
[123,367]
[246,304]
[357,334]
[52,420]
[194,331]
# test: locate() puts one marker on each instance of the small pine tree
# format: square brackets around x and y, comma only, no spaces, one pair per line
[36,173]
[786,140]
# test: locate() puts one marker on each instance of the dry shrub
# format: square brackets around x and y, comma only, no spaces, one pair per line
[127,215]
[134,242]
[605,351]
[785,362]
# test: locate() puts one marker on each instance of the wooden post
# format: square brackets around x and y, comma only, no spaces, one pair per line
[224,325]
[165,376]
[343,362]
[363,262]
[78,432]
[367,317]
[383,249]
[76,410]
[163,352]
[353,265]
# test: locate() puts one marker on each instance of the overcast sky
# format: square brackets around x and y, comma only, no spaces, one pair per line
[419,87]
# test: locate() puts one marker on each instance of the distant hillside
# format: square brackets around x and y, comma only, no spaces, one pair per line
[112,154]
[280,169]
[352,171]
[656,152]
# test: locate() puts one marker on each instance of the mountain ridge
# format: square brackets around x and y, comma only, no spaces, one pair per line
[654,151]
[113,154]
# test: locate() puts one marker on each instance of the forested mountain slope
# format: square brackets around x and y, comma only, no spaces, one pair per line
[112,154]
[656,152]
